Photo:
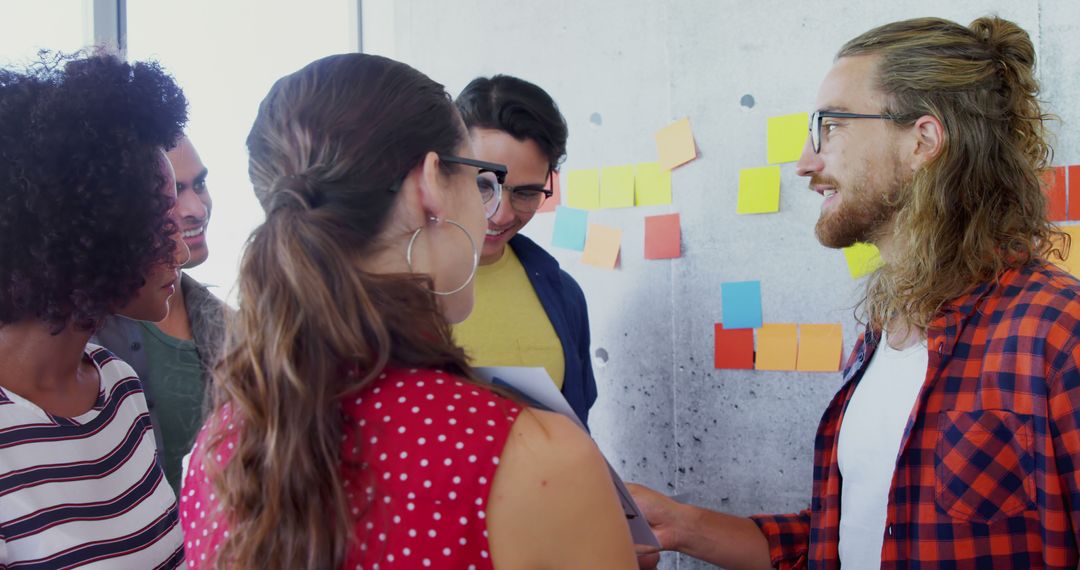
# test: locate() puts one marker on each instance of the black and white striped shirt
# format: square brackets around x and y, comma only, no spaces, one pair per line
[88,491]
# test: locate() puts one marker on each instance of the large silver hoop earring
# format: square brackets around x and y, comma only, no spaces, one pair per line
[472,242]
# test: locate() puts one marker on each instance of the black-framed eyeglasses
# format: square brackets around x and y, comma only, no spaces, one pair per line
[527,198]
[815,123]
[489,181]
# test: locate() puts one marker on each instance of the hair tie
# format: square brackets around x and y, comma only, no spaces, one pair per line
[293,191]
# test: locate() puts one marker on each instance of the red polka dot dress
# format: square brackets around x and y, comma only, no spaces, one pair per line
[418,465]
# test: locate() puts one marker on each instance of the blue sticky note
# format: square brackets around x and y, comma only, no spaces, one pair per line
[571,226]
[741,303]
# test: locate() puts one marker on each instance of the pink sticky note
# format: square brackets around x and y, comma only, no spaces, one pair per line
[663,237]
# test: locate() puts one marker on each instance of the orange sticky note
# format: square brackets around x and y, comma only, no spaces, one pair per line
[734,348]
[556,196]
[1074,192]
[675,144]
[1072,262]
[820,348]
[777,346]
[663,237]
[602,246]
[1054,186]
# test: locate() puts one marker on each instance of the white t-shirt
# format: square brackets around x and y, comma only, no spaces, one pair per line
[868,445]
[86,491]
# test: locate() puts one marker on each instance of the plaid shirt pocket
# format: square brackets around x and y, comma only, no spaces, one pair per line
[984,465]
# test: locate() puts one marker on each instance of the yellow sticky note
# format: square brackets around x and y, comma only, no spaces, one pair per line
[602,246]
[776,347]
[820,348]
[617,186]
[759,190]
[862,259]
[675,144]
[652,185]
[786,137]
[1072,262]
[583,189]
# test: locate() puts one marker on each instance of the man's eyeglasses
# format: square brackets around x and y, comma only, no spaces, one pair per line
[527,198]
[817,116]
[489,181]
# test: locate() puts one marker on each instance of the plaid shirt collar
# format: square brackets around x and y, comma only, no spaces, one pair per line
[942,335]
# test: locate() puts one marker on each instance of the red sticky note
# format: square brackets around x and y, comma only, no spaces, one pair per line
[734,348]
[662,237]
[1054,187]
[556,196]
[1074,192]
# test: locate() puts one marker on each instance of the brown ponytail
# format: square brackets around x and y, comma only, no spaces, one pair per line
[1014,57]
[327,145]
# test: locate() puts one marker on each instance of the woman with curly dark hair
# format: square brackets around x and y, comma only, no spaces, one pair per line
[85,231]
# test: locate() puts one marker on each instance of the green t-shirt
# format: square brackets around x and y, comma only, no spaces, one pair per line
[177,388]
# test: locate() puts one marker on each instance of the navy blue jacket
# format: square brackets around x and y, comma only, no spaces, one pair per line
[564,303]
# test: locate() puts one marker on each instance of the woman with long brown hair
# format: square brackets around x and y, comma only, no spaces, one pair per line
[346,430]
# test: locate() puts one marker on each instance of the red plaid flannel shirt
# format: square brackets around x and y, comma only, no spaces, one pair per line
[988,473]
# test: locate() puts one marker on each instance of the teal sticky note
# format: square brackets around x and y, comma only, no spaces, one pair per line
[571,225]
[741,304]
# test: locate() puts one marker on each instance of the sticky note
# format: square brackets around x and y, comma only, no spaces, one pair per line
[675,144]
[759,190]
[652,184]
[734,348]
[1074,192]
[617,186]
[583,189]
[1072,261]
[663,237]
[786,136]
[1054,187]
[602,246]
[570,227]
[556,194]
[862,259]
[741,303]
[820,348]
[777,346]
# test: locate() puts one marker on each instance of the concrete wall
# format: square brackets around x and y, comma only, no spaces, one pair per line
[621,69]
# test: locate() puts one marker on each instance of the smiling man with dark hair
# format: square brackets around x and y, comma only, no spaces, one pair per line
[174,357]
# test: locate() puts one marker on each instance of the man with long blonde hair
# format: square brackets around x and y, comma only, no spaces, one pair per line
[955,439]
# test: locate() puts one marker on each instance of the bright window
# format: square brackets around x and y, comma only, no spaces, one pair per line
[226,55]
[30,25]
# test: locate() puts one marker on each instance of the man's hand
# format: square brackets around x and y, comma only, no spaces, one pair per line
[724,540]
[664,517]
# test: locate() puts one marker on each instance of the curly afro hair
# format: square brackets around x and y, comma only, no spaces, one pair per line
[81,218]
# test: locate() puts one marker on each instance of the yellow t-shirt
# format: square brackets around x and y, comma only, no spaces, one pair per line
[508,325]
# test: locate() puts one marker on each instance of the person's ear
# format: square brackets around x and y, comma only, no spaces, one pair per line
[929,138]
[431,183]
